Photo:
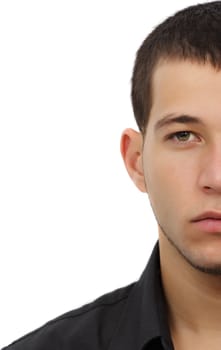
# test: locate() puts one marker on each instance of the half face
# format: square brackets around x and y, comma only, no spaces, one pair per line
[182,159]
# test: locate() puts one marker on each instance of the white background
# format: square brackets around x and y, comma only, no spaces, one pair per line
[72,224]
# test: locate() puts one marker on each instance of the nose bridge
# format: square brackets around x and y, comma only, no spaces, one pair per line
[211,167]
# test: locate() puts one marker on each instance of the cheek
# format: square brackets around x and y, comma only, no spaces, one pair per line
[172,170]
[169,188]
[160,187]
[162,191]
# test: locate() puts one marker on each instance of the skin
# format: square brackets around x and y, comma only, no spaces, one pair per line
[182,177]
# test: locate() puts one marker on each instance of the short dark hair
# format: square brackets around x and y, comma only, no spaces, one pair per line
[193,33]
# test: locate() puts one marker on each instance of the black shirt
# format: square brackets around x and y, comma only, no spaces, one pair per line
[130,318]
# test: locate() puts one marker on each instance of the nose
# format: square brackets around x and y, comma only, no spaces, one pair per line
[210,175]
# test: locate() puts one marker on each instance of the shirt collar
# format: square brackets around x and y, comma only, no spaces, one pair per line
[144,317]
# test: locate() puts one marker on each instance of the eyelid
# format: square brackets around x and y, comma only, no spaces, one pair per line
[174,134]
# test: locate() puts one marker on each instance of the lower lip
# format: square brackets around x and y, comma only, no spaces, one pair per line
[209,225]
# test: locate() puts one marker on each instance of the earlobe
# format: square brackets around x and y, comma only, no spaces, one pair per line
[131,151]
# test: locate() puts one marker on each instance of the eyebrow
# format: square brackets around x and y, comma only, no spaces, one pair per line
[182,119]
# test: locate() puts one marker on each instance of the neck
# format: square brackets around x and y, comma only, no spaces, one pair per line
[193,297]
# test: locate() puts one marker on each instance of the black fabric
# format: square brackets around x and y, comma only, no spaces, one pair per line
[130,318]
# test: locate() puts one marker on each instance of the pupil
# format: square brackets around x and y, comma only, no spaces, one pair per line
[183,135]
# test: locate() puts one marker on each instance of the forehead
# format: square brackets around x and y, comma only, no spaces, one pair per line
[180,84]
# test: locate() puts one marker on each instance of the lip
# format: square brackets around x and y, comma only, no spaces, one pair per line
[209,221]
[208,215]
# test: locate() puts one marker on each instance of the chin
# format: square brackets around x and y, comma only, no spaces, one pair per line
[206,260]
[204,256]
[209,268]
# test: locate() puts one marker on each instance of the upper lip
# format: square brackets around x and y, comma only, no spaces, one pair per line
[208,215]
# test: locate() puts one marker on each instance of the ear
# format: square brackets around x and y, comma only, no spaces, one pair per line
[131,151]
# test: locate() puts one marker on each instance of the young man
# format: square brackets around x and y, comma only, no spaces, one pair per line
[176,159]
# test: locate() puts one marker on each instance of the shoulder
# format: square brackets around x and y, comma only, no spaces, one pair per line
[90,326]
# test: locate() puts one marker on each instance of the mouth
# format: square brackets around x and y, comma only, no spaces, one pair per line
[209,215]
[209,222]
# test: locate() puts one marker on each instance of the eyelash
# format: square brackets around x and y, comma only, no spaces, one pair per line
[173,135]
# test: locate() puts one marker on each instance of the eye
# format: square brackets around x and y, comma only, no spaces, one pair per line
[182,136]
